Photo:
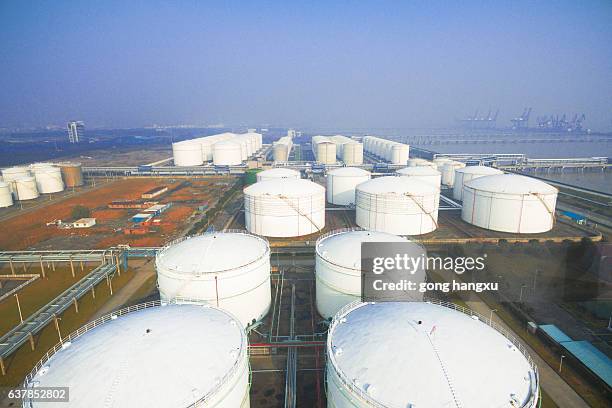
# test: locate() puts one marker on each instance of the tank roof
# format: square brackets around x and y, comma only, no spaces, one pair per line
[343,248]
[511,184]
[284,187]
[479,170]
[348,171]
[167,356]
[194,255]
[418,171]
[279,172]
[405,354]
[396,185]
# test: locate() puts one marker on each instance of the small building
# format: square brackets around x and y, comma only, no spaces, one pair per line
[157,208]
[142,217]
[84,223]
[154,192]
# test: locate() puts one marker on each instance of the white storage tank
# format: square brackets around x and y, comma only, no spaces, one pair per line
[509,203]
[278,173]
[338,267]
[465,174]
[352,153]
[397,205]
[398,153]
[425,174]
[441,161]
[284,208]
[448,172]
[324,150]
[227,153]
[11,174]
[281,149]
[187,153]
[416,162]
[25,188]
[341,183]
[230,270]
[173,356]
[6,198]
[48,178]
[424,354]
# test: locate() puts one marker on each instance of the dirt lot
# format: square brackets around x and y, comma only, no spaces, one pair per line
[186,195]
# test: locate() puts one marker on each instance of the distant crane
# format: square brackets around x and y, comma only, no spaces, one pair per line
[521,122]
[479,122]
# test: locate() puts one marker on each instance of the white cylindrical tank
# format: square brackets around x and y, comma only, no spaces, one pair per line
[441,161]
[173,356]
[284,208]
[406,354]
[341,183]
[281,149]
[416,162]
[230,270]
[187,153]
[6,198]
[509,203]
[425,174]
[24,188]
[352,153]
[338,267]
[448,172]
[48,178]
[278,173]
[324,150]
[397,205]
[399,153]
[11,174]
[227,153]
[465,174]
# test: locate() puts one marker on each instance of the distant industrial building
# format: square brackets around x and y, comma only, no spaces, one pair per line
[84,223]
[76,131]
[154,192]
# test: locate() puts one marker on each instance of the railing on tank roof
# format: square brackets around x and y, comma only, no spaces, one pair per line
[533,389]
[27,383]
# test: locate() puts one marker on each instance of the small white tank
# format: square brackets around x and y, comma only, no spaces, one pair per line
[281,149]
[448,172]
[509,203]
[424,354]
[284,208]
[278,173]
[324,149]
[172,356]
[24,188]
[6,198]
[187,153]
[397,205]
[465,174]
[227,153]
[230,270]
[425,174]
[341,183]
[338,267]
[441,161]
[48,178]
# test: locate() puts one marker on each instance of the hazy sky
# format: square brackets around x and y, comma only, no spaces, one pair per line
[323,64]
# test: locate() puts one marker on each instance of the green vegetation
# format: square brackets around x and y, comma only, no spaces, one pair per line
[80,211]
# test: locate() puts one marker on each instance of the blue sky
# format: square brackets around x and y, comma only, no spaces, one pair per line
[318,64]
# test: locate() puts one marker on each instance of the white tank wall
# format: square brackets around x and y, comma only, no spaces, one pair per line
[6,198]
[397,211]
[284,210]
[448,172]
[440,162]
[348,150]
[11,174]
[388,150]
[48,178]
[281,149]
[465,174]
[187,153]
[527,213]
[227,153]
[278,173]
[422,173]
[244,291]
[25,188]
[324,150]
[341,184]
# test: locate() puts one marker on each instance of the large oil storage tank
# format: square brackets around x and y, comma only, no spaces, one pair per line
[230,270]
[448,172]
[465,174]
[324,149]
[348,150]
[6,198]
[187,153]
[398,153]
[338,267]
[48,178]
[281,149]
[25,188]
[406,354]
[284,208]
[397,205]
[9,175]
[227,153]
[425,174]
[440,162]
[151,355]
[278,173]
[72,173]
[341,183]
[509,203]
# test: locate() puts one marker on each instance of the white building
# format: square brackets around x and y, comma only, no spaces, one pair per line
[84,223]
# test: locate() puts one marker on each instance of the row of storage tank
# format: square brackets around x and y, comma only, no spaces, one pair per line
[192,349]
[224,149]
[326,149]
[388,150]
[281,204]
[28,182]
